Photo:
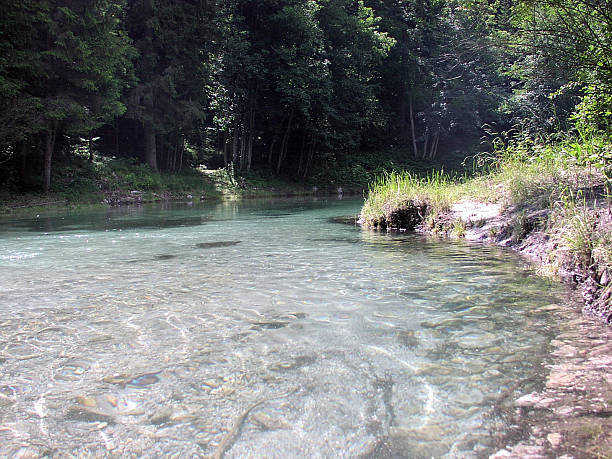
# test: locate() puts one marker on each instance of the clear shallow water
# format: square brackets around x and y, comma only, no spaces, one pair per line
[149,332]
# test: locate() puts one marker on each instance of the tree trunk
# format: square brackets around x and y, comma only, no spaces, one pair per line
[414,144]
[226,142]
[49,146]
[249,151]
[301,164]
[172,157]
[434,146]
[243,142]
[403,122]
[251,135]
[117,137]
[284,143]
[235,141]
[426,141]
[181,153]
[309,159]
[150,146]
[271,151]
[90,147]
[405,85]
[23,165]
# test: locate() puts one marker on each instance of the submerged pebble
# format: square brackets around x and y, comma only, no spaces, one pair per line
[212,245]
[125,379]
[269,325]
[144,380]
[162,415]
[268,422]
[119,378]
[211,383]
[85,414]
[165,257]
[89,402]
[5,400]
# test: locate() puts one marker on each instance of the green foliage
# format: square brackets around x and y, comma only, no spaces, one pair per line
[79,181]
[579,232]
[563,60]
[585,230]
[392,190]
[357,169]
[459,228]
[300,88]
[594,112]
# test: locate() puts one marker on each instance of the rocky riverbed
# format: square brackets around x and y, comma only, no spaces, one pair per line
[572,415]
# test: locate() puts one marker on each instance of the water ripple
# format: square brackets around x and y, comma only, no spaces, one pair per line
[335,341]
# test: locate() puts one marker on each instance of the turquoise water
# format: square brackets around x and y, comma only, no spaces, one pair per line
[154,331]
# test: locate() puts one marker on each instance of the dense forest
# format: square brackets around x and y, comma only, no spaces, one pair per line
[284,85]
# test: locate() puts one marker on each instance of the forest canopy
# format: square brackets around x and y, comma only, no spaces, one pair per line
[284,85]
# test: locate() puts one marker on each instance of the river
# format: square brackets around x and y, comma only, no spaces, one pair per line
[260,328]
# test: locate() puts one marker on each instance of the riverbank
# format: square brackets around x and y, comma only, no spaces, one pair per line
[113,183]
[104,181]
[555,212]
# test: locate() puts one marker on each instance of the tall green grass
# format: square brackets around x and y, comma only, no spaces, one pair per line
[396,189]
[527,175]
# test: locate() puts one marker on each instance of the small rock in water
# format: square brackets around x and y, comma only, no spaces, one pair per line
[346,220]
[184,417]
[408,338]
[298,315]
[297,362]
[87,401]
[550,307]
[554,439]
[227,390]
[560,379]
[211,383]
[144,380]
[165,257]
[500,454]
[528,400]
[526,451]
[564,411]
[270,325]
[162,416]
[268,422]
[565,351]
[5,400]
[211,245]
[118,378]
[133,412]
[112,400]
[29,452]
[81,413]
